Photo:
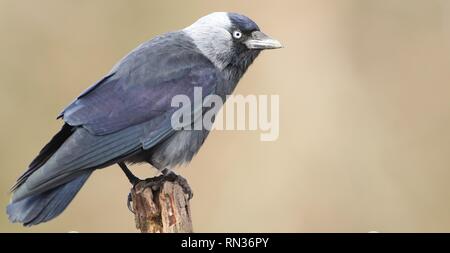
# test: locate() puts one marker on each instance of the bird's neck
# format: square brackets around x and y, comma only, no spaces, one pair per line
[234,71]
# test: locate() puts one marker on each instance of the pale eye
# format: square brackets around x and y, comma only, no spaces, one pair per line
[237,34]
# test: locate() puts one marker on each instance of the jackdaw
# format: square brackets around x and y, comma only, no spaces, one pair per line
[125,117]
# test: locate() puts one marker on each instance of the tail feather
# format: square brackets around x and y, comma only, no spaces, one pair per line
[45,206]
[46,152]
[62,167]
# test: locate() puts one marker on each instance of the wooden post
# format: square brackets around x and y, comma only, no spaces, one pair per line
[165,210]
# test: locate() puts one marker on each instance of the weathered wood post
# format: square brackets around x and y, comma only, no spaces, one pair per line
[164,210]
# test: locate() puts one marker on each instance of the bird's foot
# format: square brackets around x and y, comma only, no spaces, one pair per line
[129,205]
[134,181]
[173,177]
[156,182]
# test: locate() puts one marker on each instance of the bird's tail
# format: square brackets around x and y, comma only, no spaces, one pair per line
[45,206]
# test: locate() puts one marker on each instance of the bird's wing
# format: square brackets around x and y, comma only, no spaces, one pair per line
[141,86]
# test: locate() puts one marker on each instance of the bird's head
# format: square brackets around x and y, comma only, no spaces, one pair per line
[230,40]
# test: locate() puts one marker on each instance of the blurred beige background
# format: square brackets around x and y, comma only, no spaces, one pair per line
[365,113]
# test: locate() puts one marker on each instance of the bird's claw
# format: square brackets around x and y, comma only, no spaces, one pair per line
[171,176]
[129,200]
[156,182]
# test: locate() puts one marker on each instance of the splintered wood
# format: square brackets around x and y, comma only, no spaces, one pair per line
[165,210]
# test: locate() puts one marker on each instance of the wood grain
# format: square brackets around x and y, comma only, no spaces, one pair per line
[165,210]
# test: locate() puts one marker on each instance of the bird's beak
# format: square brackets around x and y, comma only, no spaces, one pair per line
[259,40]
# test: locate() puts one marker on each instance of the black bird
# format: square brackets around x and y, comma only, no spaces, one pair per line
[125,117]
